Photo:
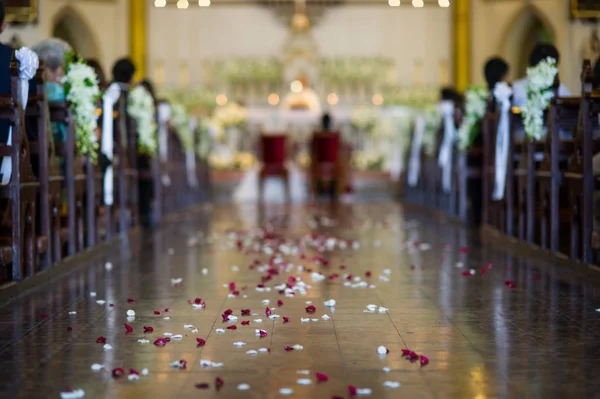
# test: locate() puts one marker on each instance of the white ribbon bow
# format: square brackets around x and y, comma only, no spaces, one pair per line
[414,163]
[164,114]
[190,157]
[445,156]
[110,98]
[502,93]
[28,65]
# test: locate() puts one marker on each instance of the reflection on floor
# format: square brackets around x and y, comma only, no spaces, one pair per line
[481,323]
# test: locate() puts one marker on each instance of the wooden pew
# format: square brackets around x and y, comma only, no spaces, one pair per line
[47,171]
[18,198]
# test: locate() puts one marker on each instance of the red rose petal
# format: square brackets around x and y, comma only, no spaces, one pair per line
[288,348]
[101,340]
[268,312]
[286,319]
[197,301]
[368,274]
[112,305]
[321,377]
[246,312]
[166,310]
[463,250]
[234,327]
[228,312]
[424,360]
[130,300]
[279,302]
[69,328]
[232,286]
[235,293]
[225,317]
[311,309]
[148,329]
[352,390]
[156,312]
[506,282]
[160,342]
[118,372]
[134,372]
[245,322]
[128,328]
[406,352]
[182,364]
[203,385]
[44,316]
[262,333]
[219,383]
[466,274]
[201,342]
[512,285]
[337,397]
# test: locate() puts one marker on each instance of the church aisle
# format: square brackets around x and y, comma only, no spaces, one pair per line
[477,323]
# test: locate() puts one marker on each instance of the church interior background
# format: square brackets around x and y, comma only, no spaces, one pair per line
[250,67]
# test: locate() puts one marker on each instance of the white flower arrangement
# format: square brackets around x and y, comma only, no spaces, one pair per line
[180,121]
[364,118]
[82,92]
[432,126]
[475,107]
[231,115]
[540,80]
[140,106]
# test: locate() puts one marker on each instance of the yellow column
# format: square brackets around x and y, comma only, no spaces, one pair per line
[462,44]
[137,36]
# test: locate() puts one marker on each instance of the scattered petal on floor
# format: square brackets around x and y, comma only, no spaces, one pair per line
[304,381]
[73,394]
[286,391]
[391,384]
[243,387]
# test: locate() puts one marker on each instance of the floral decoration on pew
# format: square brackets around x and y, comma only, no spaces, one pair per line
[82,93]
[140,105]
[476,102]
[432,125]
[181,122]
[539,94]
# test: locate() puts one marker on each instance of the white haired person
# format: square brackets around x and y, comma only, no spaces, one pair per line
[52,52]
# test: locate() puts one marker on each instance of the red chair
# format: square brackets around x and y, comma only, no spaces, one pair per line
[273,151]
[325,161]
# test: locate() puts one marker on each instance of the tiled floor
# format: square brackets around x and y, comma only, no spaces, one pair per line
[519,330]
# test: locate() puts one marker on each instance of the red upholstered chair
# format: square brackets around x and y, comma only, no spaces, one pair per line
[273,152]
[325,167]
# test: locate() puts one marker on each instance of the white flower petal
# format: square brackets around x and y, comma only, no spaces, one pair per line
[239,344]
[75,394]
[130,313]
[304,381]
[298,347]
[266,301]
[108,266]
[382,350]
[304,320]
[167,334]
[258,321]
[220,331]
[243,387]
[143,341]
[72,313]
[92,294]
[100,301]
[133,377]
[97,367]
[364,391]
[286,391]
[391,384]
[145,371]
[252,352]
[330,303]
[303,372]
[386,369]
[175,281]
[325,317]
[263,350]
[107,347]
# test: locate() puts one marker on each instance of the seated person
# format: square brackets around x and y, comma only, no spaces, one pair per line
[325,122]
[5,58]
[495,71]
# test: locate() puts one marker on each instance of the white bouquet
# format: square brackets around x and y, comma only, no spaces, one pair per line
[364,118]
[140,106]
[82,92]
[180,121]
[475,107]
[432,126]
[540,80]
[231,115]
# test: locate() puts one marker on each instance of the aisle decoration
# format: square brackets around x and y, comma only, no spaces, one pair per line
[475,107]
[180,121]
[28,65]
[432,119]
[502,94]
[539,94]
[82,93]
[140,106]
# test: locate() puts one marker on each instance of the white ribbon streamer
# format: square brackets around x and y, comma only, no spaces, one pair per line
[164,114]
[111,96]
[446,149]
[502,93]
[28,65]
[190,157]
[414,163]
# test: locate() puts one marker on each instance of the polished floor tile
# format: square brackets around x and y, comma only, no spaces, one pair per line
[491,323]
